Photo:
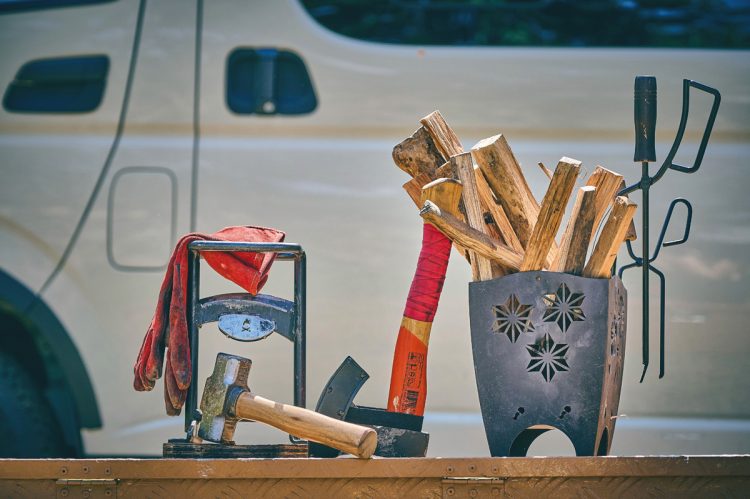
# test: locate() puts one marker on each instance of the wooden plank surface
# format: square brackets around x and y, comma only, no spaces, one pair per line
[612,477]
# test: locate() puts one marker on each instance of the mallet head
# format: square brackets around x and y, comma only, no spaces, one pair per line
[220,394]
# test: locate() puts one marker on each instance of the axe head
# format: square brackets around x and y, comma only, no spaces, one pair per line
[399,435]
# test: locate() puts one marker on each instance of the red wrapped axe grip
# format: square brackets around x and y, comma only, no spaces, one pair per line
[408,391]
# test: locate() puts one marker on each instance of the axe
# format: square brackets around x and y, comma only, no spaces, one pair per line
[399,427]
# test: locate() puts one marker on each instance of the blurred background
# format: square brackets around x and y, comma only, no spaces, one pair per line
[128,123]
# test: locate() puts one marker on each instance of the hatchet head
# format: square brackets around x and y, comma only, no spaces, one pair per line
[399,435]
[223,387]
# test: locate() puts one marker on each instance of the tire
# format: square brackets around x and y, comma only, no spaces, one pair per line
[29,428]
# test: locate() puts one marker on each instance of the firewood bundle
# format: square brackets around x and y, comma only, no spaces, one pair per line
[481,201]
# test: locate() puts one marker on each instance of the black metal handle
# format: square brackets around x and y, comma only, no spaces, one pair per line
[644,106]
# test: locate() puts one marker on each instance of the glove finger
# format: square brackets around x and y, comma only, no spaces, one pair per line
[173,400]
[179,347]
[141,380]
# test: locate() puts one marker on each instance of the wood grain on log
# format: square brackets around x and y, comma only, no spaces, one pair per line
[550,214]
[575,243]
[469,238]
[612,236]
[446,141]
[504,176]
[464,167]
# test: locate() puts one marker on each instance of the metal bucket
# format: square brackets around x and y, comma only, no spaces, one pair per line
[548,354]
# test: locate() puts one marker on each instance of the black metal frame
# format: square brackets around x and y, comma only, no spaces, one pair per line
[645,117]
[284,251]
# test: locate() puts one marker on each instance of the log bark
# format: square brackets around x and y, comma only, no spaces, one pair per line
[417,154]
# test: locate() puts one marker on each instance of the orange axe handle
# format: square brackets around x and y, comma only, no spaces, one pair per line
[408,389]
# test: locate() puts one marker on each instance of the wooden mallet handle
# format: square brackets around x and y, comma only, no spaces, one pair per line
[310,425]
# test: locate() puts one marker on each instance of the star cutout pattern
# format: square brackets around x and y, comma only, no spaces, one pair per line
[564,307]
[512,318]
[547,357]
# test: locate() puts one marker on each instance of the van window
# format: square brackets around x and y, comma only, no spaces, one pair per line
[268,81]
[23,5]
[61,85]
[565,23]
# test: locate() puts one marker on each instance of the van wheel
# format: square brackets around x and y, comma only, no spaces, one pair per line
[29,429]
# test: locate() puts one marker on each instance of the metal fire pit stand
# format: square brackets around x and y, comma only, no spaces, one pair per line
[548,354]
[259,316]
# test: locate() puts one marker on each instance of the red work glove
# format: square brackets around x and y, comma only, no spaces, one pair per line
[249,270]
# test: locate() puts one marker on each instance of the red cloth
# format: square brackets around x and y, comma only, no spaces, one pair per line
[248,270]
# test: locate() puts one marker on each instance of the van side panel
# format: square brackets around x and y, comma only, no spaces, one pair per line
[51,161]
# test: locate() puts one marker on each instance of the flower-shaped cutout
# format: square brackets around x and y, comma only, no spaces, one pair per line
[564,307]
[547,357]
[512,318]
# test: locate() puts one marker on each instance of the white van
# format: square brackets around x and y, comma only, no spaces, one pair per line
[128,123]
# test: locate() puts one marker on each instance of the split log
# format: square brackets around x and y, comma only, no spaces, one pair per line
[504,176]
[575,243]
[446,141]
[464,167]
[607,185]
[550,214]
[417,154]
[460,233]
[631,234]
[612,236]
[445,193]
[497,213]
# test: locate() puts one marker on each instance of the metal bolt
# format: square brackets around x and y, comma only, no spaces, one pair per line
[85,469]
[340,412]
[495,469]
[64,492]
[450,491]
[450,469]
[108,492]
[472,468]
[107,470]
